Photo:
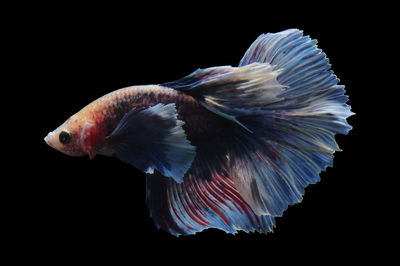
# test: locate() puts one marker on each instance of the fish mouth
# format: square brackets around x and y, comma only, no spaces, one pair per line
[49,139]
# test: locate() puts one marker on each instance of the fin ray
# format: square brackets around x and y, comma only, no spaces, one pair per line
[287,97]
[153,138]
[198,204]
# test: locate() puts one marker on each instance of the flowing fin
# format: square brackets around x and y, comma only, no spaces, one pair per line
[287,98]
[232,91]
[153,138]
[207,197]
[311,88]
[201,202]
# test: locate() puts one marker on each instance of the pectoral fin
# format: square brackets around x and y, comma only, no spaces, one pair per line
[153,138]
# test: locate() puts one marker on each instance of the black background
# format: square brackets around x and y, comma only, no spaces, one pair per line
[72,55]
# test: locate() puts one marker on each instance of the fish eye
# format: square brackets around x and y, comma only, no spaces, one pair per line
[65,137]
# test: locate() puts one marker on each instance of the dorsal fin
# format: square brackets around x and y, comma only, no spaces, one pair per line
[232,91]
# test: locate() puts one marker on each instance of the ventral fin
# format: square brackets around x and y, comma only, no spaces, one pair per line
[153,138]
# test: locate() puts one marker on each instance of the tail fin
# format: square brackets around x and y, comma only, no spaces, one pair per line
[281,73]
[287,98]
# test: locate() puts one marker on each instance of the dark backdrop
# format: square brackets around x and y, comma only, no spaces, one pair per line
[71,206]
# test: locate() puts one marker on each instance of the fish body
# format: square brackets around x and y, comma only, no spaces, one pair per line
[224,147]
[93,123]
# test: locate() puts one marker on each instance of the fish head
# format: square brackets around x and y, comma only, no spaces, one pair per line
[67,137]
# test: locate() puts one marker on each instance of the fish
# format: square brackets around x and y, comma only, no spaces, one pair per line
[225,147]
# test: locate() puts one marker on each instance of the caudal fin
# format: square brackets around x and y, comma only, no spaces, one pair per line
[287,106]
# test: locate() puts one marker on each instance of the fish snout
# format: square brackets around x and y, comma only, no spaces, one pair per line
[50,139]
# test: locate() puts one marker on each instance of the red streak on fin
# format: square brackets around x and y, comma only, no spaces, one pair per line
[238,198]
[209,202]
[211,188]
[189,227]
[205,200]
[200,197]
[196,206]
[189,211]
[225,192]
[171,205]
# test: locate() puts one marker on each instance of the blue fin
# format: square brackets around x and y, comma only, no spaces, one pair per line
[199,203]
[232,91]
[207,197]
[153,138]
[287,98]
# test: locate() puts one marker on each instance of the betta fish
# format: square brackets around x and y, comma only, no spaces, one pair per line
[224,147]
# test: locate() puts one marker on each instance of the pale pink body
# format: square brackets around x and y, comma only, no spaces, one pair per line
[90,126]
